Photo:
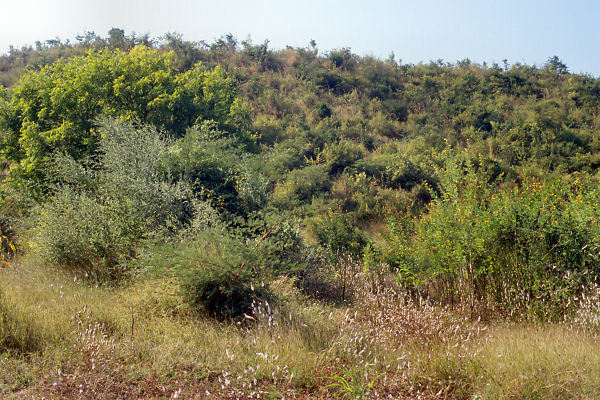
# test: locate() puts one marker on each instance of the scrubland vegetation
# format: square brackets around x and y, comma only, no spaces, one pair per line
[190,220]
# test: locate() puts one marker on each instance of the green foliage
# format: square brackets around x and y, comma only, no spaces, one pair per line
[254,189]
[382,125]
[474,186]
[280,160]
[519,248]
[225,272]
[99,214]
[323,110]
[220,283]
[342,58]
[402,172]
[78,232]
[339,235]
[337,156]
[18,332]
[55,109]
[277,246]
[210,161]
[302,185]
[7,236]
[363,196]
[555,64]
[367,137]
[352,386]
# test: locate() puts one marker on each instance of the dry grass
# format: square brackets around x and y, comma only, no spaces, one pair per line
[68,339]
[541,362]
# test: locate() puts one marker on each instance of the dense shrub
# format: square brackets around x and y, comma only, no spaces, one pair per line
[333,130]
[54,109]
[337,156]
[281,159]
[7,238]
[99,213]
[339,235]
[402,172]
[217,279]
[527,247]
[302,185]
[367,200]
[254,189]
[384,126]
[224,270]
[210,161]
[79,232]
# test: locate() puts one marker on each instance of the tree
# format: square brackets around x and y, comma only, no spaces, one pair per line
[55,109]
[116,38]
[555,64]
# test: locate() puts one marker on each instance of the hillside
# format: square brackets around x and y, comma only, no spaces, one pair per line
[356,226]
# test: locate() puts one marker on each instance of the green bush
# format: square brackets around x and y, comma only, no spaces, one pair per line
[402,172]
[525,248]
[223,290]
[385,126]
[7,238]
[323,111]
[281,159]
[367,200]
[102,210]
[77,231]
[277,245]
[210,161]
[225,271]
[339,236]
[254,188]
[54,108]
[302,185]
[337,156]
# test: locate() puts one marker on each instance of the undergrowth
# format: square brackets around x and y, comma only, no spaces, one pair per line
[62,337]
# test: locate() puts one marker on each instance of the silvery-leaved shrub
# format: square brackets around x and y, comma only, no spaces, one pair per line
[101,209]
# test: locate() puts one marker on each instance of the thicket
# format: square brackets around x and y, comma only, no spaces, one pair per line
[470,183]
[226,272]
[101,208]
[527,248]
[55,109]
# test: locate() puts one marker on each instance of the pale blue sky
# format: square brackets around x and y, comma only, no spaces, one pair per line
[526,31]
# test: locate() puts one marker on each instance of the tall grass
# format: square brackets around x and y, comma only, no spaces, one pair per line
[142,330]
[65,338]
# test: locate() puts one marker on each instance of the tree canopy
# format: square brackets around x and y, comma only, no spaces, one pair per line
[55,108]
